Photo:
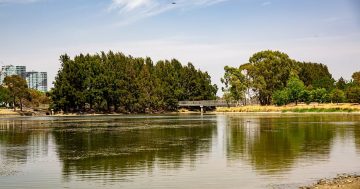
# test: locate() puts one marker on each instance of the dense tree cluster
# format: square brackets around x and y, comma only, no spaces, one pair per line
[274,78]
[315,75]
[114,82]
[15,93]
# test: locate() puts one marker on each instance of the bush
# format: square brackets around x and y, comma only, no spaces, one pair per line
[319,95]
[337,96]
[305,96]
[281,97]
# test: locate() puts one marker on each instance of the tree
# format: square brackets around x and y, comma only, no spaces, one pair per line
[4,95]
[315,75]
[281,97]
[227,97]
[341,84]
[353,94]
[111,81]
[337,96]
[356,77]
[269,71]
[235,83]
[305,96]
[18,89]
[36,98]
[319,95]
[295,87]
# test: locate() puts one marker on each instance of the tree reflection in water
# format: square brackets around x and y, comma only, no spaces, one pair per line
[110,149]
[275,143]
[106,153]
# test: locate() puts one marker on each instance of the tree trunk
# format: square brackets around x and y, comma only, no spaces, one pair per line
[14,105]
[21,105]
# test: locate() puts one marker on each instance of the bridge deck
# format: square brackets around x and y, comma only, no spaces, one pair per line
[207,103]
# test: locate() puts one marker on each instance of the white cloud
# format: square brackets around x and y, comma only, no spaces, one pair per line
[133,10]
[266,3]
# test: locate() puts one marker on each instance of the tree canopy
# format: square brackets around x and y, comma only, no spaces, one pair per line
[115,82]
[269,71]
[17,87]
[316,75]
[275,78]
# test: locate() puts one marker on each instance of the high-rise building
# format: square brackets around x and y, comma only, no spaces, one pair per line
[37,80]
[9,70]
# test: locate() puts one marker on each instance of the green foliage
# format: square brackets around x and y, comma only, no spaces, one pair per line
[4,96]
[235,83]
[353,94]
[315,75]
[319,95]
[305,96]
[115,82]
[337,96]
[295,87]
[341,84]
[356,77]
[281,97]
[269,71]
[275,78]
[18,89]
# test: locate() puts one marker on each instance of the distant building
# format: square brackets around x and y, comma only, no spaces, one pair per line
[10,70]
[37,80]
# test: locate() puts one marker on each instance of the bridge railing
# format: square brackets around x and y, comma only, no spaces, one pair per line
[217,103]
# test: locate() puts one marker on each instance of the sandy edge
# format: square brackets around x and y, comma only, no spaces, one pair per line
[341,181]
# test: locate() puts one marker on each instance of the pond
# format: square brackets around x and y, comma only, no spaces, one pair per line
[177,151]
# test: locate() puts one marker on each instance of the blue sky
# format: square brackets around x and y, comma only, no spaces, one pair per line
[208,33]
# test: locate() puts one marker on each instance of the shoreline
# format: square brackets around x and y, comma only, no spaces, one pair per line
[346,109]
[292,108]
[285,113]
[347,181]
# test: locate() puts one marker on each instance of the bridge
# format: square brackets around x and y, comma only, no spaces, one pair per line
[207,103]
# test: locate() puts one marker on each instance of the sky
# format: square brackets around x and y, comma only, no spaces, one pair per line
[208,33]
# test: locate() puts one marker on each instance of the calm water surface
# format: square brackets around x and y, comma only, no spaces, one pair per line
[177,151]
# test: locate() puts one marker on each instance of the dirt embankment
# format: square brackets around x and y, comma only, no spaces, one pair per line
[342,181]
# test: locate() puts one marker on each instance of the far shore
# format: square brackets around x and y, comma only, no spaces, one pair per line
[292,108]
[314,108]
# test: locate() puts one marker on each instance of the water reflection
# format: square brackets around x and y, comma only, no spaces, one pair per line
[117,152]
[357,137]
[276,143]
[19,142]
[212,150]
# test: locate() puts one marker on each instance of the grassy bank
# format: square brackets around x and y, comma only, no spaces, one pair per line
[344,107]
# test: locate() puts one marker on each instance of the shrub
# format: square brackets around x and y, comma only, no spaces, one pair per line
[281,97]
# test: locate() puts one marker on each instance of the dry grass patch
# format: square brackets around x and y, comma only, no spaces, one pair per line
[314,107]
